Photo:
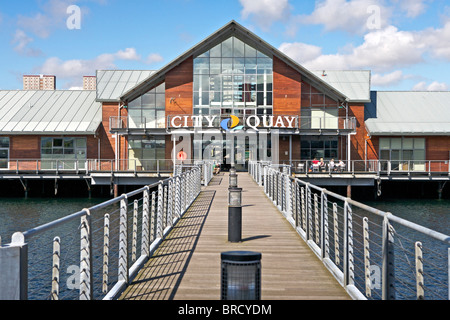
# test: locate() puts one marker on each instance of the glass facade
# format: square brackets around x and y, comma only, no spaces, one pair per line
[319,147]
[403,153]
[149,110]
[233,78]
[67,149]
[318,111]
[142,154]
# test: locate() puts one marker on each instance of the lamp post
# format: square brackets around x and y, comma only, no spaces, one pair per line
[234,214]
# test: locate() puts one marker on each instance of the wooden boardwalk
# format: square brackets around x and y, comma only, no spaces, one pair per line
[186,266]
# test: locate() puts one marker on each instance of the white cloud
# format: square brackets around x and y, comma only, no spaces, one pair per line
[128,54]
[355,16]
[265,12]
[21,41]
[53,15]
[73,70]
[412,8]
[154,58]
[387,79]
[437,41]
[301,52]
[381,51]
[434,86]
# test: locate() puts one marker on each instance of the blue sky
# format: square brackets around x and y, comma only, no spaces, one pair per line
[405,43]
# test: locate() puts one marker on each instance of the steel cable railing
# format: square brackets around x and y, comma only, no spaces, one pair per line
[373,254]
[95,253]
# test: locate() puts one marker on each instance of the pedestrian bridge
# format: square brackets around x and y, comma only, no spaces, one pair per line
[164,242]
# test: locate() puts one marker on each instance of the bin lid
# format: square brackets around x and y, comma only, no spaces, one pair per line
[241,256]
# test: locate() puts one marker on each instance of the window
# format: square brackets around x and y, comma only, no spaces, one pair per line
[143,154]
[68,150]
[403,153]
[319,147]
[233,77]
[4,152]
[318,111]
[148,111]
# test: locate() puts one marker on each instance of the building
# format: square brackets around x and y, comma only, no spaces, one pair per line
[39,82]
[89,83]
[232,85]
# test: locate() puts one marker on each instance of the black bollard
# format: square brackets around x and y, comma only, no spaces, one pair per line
[234,214]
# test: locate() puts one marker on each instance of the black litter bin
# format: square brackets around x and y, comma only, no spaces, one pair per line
[241,275]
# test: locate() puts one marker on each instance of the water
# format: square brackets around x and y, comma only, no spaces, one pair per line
[19,214]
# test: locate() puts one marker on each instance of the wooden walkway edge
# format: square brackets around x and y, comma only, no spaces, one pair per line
[187,264]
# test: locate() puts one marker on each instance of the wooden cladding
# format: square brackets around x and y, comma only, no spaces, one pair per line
[179,89]
[287,89]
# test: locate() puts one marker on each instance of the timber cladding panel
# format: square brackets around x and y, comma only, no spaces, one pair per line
[358,142]
[180,88]
[25,147]
[287,89]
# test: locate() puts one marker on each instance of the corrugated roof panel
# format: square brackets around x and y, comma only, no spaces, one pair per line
[111,84]
[409,112]
[355,84]
[50,112]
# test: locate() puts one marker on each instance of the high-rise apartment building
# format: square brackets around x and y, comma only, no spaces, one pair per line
[89,83]
[39,82]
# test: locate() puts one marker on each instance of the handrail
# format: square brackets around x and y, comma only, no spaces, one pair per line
[156,208]
[380,167]
[363,247]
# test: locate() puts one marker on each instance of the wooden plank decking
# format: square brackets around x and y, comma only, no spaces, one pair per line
[186,266]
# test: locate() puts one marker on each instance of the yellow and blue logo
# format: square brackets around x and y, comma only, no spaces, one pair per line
[231,124]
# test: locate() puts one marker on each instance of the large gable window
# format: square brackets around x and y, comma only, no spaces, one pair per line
[149,110]
[233,78]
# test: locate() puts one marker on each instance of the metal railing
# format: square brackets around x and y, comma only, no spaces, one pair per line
[159,166]
[373,254]
[379,167]
[96,252]
[120,123]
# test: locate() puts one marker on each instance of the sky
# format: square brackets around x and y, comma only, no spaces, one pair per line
[404,43]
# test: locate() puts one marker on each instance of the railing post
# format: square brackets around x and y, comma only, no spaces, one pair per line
[145,246]
[170,202]
[388,276]
[349,269]
[123,242]
[134,231]
[56,268]
[336,235]
[86,288]
[420,292]
[159,214]
[324,228]
[303,208]
[105,269]
[316,218]
[366,245]
[153,217]
[14,269]
[308,222]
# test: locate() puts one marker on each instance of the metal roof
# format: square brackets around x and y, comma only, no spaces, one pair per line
[111,84]
[355,84]
[49,112]
[232,29]
[408,113]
